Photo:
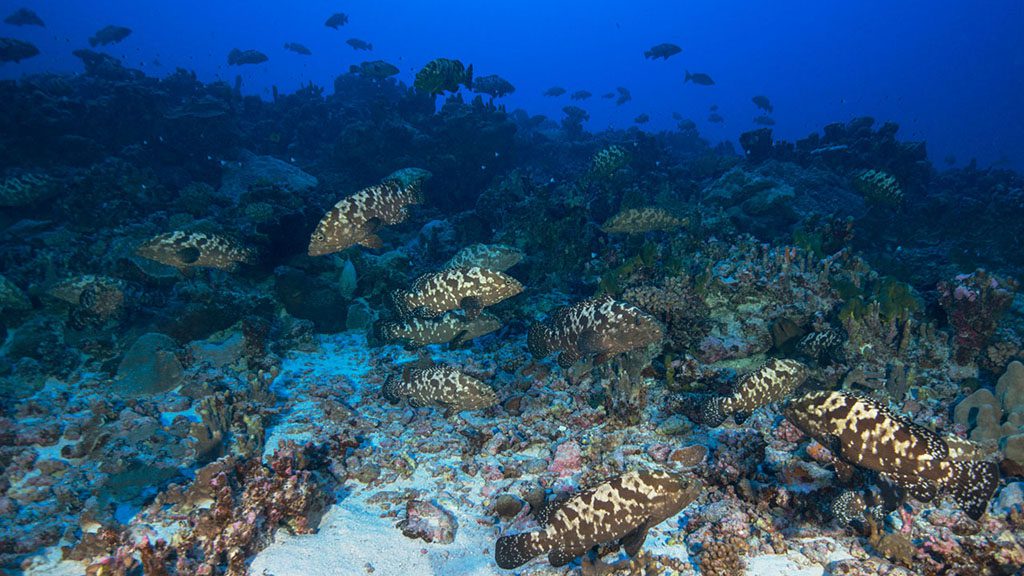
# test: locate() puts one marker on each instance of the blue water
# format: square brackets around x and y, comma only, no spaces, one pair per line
[948,72]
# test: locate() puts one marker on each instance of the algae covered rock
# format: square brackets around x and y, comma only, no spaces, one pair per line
[150,366]
[253,171]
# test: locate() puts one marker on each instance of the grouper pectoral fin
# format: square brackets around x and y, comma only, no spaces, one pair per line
[472,306]
[634,541]
[372,241]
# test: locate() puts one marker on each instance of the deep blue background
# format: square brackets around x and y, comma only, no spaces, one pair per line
[950,72]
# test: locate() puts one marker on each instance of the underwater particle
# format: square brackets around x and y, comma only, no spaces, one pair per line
[763,103]
[554,91]
[443,74]
[601,327]
[772,382]
[184,250]
[429,522]
[358,44]
[26,189]
[764,120]
[663,51]
[337,19]
[468,289]
[878,187]
[624,95]
[698,78]
[580,95]
[641,221]
[494,85]
[14,50]
[498,257]
[442,386]
[374,69]
[622,509]
[450,328]
[242,57]
[642,119]
[355,219]
[297,48]
[109,35]
[715,118]
[24,17]
[865,433]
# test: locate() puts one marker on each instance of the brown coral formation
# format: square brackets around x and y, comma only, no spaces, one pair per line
[724,558]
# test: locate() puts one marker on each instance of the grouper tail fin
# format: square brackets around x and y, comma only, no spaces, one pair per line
[972,485]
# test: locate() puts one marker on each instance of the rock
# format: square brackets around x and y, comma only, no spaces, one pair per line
[150,366]
[311,298]
[429,522]
[218,351]
[568,459]
[981,415]
[1013,448]
[675,425]
[360,316]
[1010,496]
[1010,388]
[255,170]
[507,505]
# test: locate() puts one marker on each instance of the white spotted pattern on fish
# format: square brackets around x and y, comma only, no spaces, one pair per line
[355,219]
[440,386]
[438,292]
[772,382]
[196,250]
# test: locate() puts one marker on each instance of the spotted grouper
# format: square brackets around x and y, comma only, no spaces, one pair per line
[442,386]
[622,510]
[356,219]
[185,250]
[773,381]
[865,433]
[469,289]
[449,328]
[601,327]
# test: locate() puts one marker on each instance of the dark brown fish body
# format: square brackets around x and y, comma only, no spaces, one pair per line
[621,509]
[14,50]
[642,220]
[663,51]
[109,35]
[498,257]
[772,382]
[355,219]
[865,433]
[240,57]
[374,69]
[185,250]
[24,17]
[494,85]
[442,386]
[698,78]
[601,327]
[449,328]
[763,103]
[443,74]
[624,96]
[298,48]
[470,289]
[554,91]
[580,95]
[642,119]
[336,19]
[358,44]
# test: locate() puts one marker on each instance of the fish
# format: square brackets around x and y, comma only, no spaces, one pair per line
[469,289]
[715,118]
[580,95]
[713,108]
[641,221]
[356,218]
[450,328]
[764,120]
[374,69]
[442,386]
[864,433]
[698,78]
[554,91]
[663,51]
[298,48]
[109,35]
[773,381]
[642,119]
[184,250]
[624,95]
[622,509]
[101,297]
[608,95]
[825,347]
[24,17]
[358,44]
[494,85]
[241,57]
[443,74]
[14,50]
[336,19]
[498,257]
[763,103]
[409,176]
[601,327]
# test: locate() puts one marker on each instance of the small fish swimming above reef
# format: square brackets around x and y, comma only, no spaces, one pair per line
[663,51]
[642,119]
[580,95]
[470,289]
[450,328]
[865,433]
[715,118]
[14,50]
[240,57]
[443,74]
[494,85]
[763,103]
[442,386]
[772,382]
[298,48]
[624,96]
[491,256]
[601,327]
[554,91]
[358,44]
[24,17]
[355,219]
[698,78]
[337,19]
[184,250]
[622,509]
[109,35]
[641,221]
[374,69]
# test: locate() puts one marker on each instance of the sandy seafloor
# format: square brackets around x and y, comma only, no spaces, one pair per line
[358,536]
